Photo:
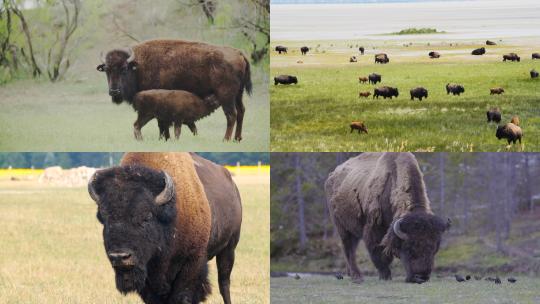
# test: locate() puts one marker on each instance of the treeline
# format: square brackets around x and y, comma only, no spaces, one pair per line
[98,160]
[480,192]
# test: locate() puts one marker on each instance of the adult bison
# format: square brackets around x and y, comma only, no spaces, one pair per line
[381,58]
[362,50]
[374,78]
[493,114]
[164,216]
[455,89]
[534,73]
[480,51]
[281,49]
[304,50]
[419,93]
[535,56]
[200,68]
[489,42]
[381,198]
[434,55]
[511,57]
[285,79]
[386,92]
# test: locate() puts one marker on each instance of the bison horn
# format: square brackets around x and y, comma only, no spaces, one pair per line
[402,235]
[101,57]
[91,189]
[167,192]
[131,56]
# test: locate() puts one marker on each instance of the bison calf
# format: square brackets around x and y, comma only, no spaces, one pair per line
[171,106]
[360,126]
[511,57]
[285,79]
[364,94]
[362,79]
[386,92]
[534,74]
[493,114]
[419,93]
[509,131]
[455,89]
[496,91]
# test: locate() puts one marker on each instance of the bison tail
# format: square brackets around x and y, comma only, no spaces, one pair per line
[248,86]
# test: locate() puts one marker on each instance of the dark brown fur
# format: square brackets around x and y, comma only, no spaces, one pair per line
[434,55]
[511,57]
[382,58]
[362,79]
[535,56]
[509,131]
[364,94]
[493,114]
[419,93]
[496,91]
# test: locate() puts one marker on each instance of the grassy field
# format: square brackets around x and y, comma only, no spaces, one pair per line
[78,115]
[326,289]
[315,114]
[52,248]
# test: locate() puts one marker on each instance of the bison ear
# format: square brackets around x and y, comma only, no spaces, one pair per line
[132,66]
[101,67]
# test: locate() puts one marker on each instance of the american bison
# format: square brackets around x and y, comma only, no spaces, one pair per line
[455,89]
[171,106]
[434,55]
[511,57]
[493,114]
[381,58]
[386,92]
[489,42]
[200,68]
[480,51]
[419,93]
[362,50]
[374,78]
[496,91]
[281,49]
[535,56]
[381,198]
[164,216]
[509,131]
[534,73]
[364,94]
[515,120]
[304,50]
[360,126]
[285,79]
[353,59]
[362,79]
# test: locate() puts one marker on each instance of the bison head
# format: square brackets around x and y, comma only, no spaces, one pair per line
[501,132]
[136,207]
[120,67]
[415,239]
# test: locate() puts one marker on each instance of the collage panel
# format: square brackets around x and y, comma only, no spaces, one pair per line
[159,227]
[123,75]
[388,75]
[405,228]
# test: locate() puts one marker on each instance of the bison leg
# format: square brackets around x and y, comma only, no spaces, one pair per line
[225,262]
[177,129]
[190,284]
[240,109]
[350,243]
[141,121]
[164,130]
[192,127]
[352,129]
[230,114]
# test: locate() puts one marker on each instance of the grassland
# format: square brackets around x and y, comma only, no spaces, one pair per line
[52,248]
[326,289]
[315,114]
[78,115]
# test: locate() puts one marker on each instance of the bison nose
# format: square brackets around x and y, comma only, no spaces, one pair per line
[121,259]
[114,92]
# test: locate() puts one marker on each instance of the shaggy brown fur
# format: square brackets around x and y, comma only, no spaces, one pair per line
[496,91]
[381,58]
[362,79]
[364,94]
[511,57]
[493,114]
[366,195]
[515,120]
[360,126]
[171,106]
[509,131]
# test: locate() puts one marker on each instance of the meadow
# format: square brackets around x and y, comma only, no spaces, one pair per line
[315,114]
[327,289]
[52,248]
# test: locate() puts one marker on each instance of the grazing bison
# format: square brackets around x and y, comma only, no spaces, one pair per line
[488,42]
[381,198]
[534,74]
[164,216]
[515,120]
[419,93]
[480,51]
[285,79]
[496,91]
[386,92]
[360,126]
[171,106]
[364,94]
[455,89]
[493,114]
[535,56]
[362,79]
[362,50]
[200,68]
[511,57]
[381,58]
[353,59]
[281,49]
[374,78]
[509,131]
[304,50]
[434,55]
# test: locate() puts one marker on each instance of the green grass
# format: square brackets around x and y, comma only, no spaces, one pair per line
[79,116]
[415,31]
[315,114]
[52,248]
[326,289]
